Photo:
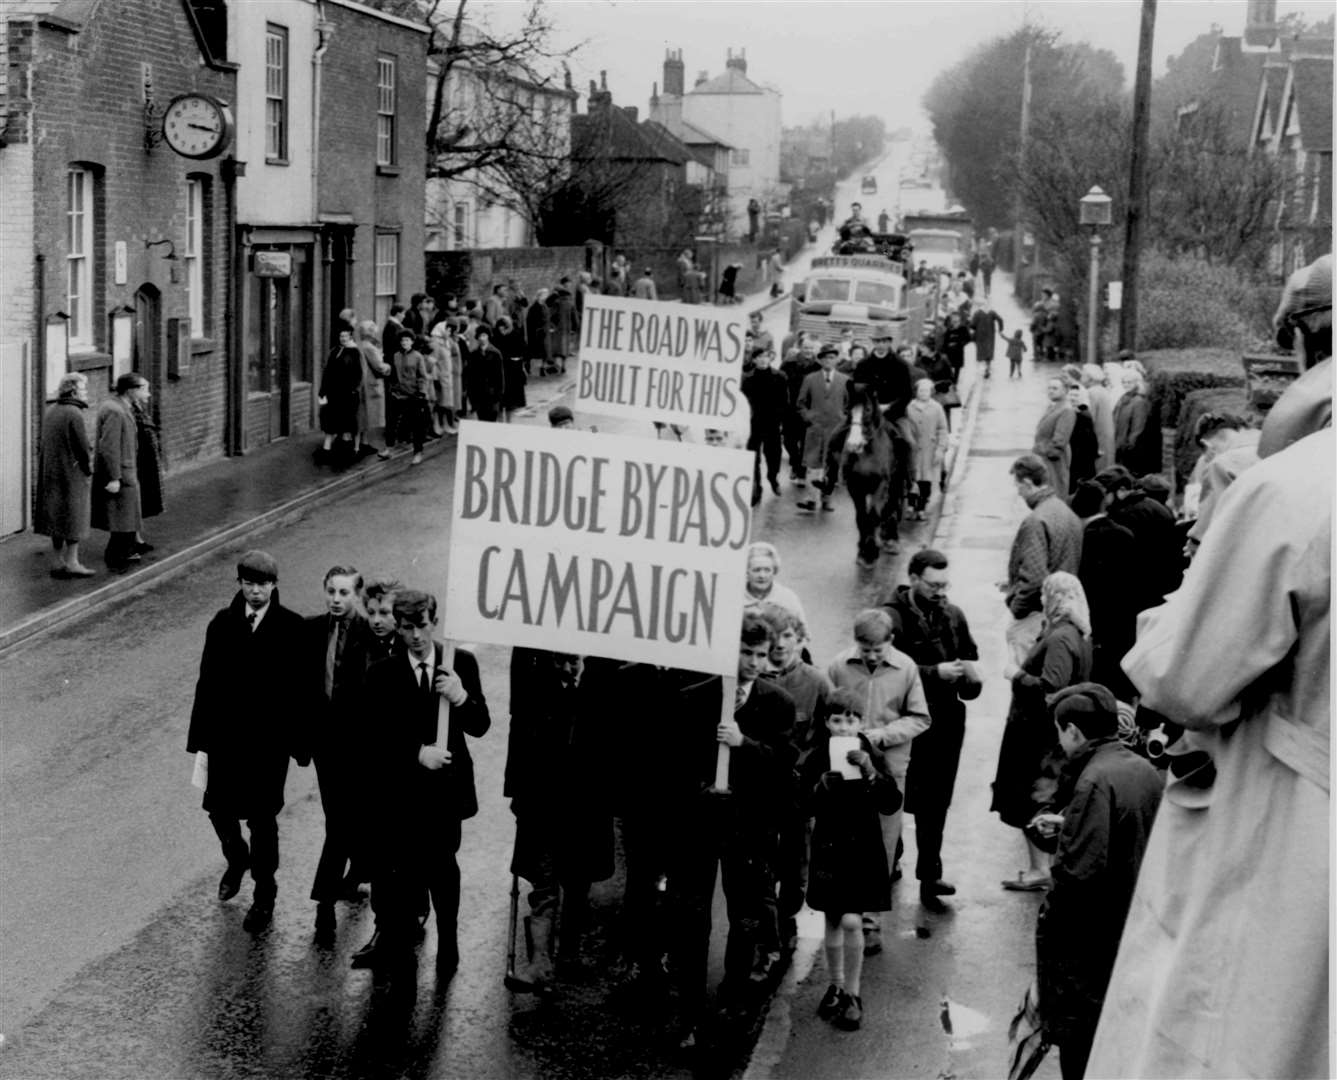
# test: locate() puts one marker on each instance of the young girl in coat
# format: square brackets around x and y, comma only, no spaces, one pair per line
[847,873]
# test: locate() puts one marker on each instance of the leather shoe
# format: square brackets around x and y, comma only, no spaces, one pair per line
[940,887]
[230,883]
[931,901]
[363,957]
[260,916]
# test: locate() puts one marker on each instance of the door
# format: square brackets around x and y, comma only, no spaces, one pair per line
[147,344]
[268,376]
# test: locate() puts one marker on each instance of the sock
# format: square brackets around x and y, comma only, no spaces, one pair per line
[853,960]
[835,964]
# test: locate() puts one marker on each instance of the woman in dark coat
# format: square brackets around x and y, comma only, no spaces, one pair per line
[1029,757]
[1137,435]
[955,338]
[116,471]
[340,393]
[1082,443]
[150,470]
[729,284]
[63,477]
[511,345]
[538,339]
[565,323]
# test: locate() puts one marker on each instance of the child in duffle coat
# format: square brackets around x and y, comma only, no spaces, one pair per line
[1016,348]
[848,873]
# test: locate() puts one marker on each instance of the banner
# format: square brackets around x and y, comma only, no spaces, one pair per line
[654,360]
[601,545]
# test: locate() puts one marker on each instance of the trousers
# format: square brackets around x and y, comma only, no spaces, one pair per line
[262,853]
[344,845]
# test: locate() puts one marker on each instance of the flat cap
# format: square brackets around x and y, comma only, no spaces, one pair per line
[258,565]
[560,414]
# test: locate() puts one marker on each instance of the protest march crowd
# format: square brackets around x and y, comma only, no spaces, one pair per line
[1164,754]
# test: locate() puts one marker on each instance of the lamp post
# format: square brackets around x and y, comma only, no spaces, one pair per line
[1095,211]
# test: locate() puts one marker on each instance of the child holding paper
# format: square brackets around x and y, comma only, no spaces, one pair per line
[848,787]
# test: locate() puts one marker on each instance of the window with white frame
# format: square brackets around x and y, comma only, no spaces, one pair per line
[276,92]
[460,238]
[194,255]
[385,110]
[387,274]
[79,212]
[740,157]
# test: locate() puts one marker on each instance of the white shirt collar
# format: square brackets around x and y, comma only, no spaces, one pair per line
[430,662]
[259,614]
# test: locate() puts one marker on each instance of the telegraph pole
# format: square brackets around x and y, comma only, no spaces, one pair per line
[1019,229]
[1137,178]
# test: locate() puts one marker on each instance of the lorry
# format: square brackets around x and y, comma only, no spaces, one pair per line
[927,233]
[861,293]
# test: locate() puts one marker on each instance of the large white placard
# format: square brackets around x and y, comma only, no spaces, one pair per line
[655,360]
[602,545]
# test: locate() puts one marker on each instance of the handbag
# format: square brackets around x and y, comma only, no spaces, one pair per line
[948,399]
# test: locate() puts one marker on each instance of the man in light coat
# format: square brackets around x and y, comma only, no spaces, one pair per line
[1223,966]
[822,401]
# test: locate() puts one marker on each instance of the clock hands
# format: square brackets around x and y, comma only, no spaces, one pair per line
[202,127]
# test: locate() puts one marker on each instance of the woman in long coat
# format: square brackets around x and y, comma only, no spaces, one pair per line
[565,324]
[510,344]
[116,507]
[63,478]
[929,421]
[538,339]
[340,392]
[1137,440]
[1053,434]
[371,404]
[1083,446]
[1029,758]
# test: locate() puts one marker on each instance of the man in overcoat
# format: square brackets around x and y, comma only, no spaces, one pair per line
[420,791]
[247,719]
[116,506]
[934,634]
[822,402]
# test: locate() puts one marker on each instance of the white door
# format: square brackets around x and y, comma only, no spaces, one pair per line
[14,382]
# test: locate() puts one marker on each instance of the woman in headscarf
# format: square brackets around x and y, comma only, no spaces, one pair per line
[1029,758]
[371,406]
[63,476]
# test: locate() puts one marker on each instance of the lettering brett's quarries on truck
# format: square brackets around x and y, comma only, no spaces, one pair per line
[597,544]
[862,293]
[659,361]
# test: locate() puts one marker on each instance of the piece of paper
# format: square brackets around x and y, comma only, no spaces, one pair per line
[199,775]
[840,746]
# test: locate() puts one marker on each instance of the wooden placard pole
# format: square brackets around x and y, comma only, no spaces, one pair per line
[729,693]
[442,705]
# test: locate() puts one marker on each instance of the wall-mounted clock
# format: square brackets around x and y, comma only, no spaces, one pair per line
[197,125]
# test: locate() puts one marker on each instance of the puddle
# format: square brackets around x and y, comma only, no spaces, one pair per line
[962,1024]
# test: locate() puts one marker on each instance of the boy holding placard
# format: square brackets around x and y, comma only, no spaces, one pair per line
[846,787]
[731,829]
[422,780]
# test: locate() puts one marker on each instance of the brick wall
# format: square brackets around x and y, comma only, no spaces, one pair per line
[88,107]
[471,274]
[350,182]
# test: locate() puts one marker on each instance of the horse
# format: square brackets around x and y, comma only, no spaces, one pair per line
[875,479]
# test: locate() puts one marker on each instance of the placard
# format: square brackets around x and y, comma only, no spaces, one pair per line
[652,360]
[601,545]
[272,263]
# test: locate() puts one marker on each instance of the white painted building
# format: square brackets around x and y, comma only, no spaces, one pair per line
[742,114]
[484,208]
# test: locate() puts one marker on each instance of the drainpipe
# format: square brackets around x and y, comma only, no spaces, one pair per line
[320,316]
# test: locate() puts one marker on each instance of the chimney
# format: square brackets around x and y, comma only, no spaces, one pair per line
[702,77]
[738,63]
[1260,23]
[673,72]
[600,99]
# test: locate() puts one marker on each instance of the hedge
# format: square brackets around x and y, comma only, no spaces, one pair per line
[1193,405]
[1176,373]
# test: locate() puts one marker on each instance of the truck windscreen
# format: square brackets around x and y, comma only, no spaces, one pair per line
[882,293]
[829,289]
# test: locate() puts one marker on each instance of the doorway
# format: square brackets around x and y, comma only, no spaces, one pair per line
[146,357]
[277,342]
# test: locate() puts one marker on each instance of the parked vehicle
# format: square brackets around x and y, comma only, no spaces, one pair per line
[869,185]
[941,249]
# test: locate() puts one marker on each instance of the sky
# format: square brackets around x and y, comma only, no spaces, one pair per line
[853,56]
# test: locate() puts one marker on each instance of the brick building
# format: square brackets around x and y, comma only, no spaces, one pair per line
[325,222]
[115,247]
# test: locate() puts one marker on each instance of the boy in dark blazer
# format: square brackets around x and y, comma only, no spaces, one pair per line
[420,792]
[249,736]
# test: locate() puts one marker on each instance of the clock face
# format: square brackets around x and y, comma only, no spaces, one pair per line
[196,126]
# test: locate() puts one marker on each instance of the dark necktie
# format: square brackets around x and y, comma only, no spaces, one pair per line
[740,696]
[332,653]
[423,684]
[251,616]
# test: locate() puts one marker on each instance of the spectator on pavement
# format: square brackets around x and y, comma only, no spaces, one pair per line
[394,324]
[1028,757]
[1137,438]
[985,325]
[1229,446]
[895,713]
[371,406]
[1102,413]
[247,721]
[1048,539]
[340,397]
[1103,814]
[933,632]
[538,335]
[510,344]
[485,378]
[849,872]
[644,287]
[64,476]
[115,496]
[565,324]
[412,396]
[1083,444]
[1109,556]
[1159,556]
[1053,435]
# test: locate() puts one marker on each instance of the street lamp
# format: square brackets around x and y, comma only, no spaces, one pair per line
[1095,211]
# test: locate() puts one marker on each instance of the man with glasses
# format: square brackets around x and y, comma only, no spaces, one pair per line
[247,719]
[934,634]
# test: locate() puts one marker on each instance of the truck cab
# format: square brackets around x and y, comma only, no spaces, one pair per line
[941,249]
[857,292]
